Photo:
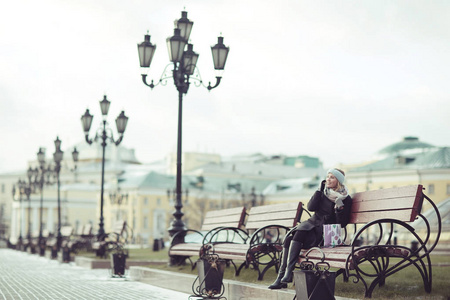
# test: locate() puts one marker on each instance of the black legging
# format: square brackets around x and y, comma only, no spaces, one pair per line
[299,236]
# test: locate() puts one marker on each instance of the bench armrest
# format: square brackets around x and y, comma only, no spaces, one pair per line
[383,231]
[183,234]
[270,234]
[226,235]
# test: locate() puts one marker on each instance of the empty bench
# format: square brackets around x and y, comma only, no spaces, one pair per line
[116,239]
[214,220]
[262,241]
[384,213]
[52,243]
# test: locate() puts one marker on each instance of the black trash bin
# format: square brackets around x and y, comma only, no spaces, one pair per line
[314,281]
[118,262]
[210,276]
[157,245]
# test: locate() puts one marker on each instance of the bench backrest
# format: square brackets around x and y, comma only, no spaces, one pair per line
[285,214]
[87,229]
[66,231]
[119,227]
[230,217]
[79,230]
[401,203]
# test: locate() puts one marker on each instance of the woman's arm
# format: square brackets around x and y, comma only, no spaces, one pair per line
[314,203]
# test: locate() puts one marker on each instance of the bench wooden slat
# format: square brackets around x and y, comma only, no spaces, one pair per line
[66,231]
[224,212]
[260,224]
[230,220]
[366,217]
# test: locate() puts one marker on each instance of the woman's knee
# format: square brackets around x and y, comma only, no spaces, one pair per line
[287,241]
[300,236]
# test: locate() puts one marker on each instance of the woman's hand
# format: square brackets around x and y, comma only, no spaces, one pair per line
[339,204]
[322,185]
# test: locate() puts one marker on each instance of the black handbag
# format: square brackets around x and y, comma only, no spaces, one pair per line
[314,281]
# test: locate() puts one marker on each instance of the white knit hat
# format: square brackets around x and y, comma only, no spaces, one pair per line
[339,176]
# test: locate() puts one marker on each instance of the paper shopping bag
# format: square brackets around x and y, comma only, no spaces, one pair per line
[332,235]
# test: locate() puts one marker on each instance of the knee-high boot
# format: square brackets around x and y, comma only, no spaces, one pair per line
[294,251]
[281,271]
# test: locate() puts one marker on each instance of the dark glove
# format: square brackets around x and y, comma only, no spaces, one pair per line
[322,186]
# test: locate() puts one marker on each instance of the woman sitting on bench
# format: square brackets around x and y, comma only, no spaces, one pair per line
[331,204]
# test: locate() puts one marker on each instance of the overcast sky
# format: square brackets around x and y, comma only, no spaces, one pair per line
[338,80]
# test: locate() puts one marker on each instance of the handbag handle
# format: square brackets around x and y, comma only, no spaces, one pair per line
[317,249]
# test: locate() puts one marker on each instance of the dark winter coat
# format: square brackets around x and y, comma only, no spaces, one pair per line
[324,213]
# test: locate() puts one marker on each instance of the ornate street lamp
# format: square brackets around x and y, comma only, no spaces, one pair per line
[57,158]
[104,133]
[118,198]
[42,172]
[14,191]
[184,67]
[253,199]
[75,154]
[27,188]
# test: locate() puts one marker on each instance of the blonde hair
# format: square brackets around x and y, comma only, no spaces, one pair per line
[339,186]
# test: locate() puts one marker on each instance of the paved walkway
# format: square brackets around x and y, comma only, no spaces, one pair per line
[27,276]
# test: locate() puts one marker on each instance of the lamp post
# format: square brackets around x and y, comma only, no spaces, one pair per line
[184,60]
[75,154]
[57,158]
[42,171]
[117,198]
[26,188]
[253,199]
[104,132]
[20,240]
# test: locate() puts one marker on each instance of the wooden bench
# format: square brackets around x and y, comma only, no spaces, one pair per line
[52,242]
[116,239]
[82,239]
[384,213]
[262,242]
[214,220]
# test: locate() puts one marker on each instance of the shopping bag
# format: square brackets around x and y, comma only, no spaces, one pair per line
[314,281]
[331,235]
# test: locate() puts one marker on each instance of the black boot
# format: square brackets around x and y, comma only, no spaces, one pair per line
[294,251]
[277,283]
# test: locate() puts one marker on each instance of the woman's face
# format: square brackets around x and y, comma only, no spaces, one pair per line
[331,181]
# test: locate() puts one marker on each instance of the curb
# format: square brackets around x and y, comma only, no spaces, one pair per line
[233,289]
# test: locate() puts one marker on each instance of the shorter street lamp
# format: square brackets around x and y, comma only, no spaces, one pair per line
[57,158]
[104,132]
[19,242]
[253,199]
[43,172]
[117,198]
[75,154]
[27,188]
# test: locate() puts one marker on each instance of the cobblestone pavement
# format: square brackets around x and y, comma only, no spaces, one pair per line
[28,276]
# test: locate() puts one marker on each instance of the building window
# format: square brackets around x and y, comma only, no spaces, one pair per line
[158,201]
[145,225]
[448,189]
[3,188]
[431,189]
[146,201]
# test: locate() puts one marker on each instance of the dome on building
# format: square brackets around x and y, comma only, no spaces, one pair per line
[409,143]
